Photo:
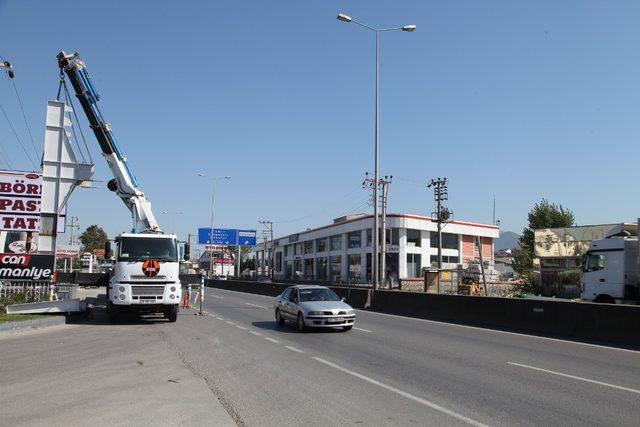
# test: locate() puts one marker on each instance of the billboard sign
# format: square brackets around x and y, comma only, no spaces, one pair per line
[226,237]
[26,267]
[20,200]
[68,251]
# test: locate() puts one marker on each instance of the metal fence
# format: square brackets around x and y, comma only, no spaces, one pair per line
[36,291]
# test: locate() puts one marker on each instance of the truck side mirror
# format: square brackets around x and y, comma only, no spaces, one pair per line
[187,252]
[107,250]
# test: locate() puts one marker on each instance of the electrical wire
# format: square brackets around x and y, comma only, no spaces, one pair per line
[17,137]
[5,158]
[24,116]
[322,211]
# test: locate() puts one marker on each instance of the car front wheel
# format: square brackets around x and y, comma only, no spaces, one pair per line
[279,318]
[300,322]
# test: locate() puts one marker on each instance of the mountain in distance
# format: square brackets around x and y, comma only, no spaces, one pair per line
[507,240]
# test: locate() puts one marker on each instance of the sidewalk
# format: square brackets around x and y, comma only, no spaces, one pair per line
[94,372]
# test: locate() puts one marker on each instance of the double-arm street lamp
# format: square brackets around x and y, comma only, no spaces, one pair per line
[407,28]
[213,198]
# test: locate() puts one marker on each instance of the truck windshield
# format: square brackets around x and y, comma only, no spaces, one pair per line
[141,248]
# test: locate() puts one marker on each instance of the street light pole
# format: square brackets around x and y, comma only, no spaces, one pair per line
[407,28]
[213,198]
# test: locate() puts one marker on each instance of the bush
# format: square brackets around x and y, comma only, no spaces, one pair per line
[17,298]
[530,284]
[570,277]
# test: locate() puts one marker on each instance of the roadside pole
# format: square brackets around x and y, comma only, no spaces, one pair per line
[201,295]
[238,261]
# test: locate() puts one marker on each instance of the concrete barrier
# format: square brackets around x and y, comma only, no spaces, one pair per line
[605,323]
[614,324]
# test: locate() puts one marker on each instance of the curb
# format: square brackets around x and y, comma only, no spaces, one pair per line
[31,324]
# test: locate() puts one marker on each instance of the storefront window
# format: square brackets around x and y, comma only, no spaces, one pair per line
[298,248]
[414,265]
[288,270]
[336,242]
[321,268]
[308,269]
[355,269]
[278,261]
[297,265]
[321,245]
[354,238]
[445,259]
[336,268]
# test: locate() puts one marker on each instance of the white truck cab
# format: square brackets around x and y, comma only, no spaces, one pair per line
[610,269]
[145,276]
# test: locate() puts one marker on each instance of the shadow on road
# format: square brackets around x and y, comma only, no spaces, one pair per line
[97,315]
[290,328]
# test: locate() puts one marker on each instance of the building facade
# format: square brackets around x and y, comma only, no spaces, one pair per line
[341,252]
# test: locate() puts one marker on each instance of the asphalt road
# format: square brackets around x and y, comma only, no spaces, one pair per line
[392,370]
[235,365]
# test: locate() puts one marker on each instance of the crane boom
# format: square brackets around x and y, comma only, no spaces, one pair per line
[124,182]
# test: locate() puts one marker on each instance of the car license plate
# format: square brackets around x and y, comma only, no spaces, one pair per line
[337,320]
[147,301]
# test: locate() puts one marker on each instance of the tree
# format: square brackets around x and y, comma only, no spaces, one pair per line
[543,215]
[93,237]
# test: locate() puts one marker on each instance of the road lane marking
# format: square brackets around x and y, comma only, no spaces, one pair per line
[241,327]
[255,333]
[231,323]
[361,329]
[477,328]
[297,350]
[272,340]
[256,305]
[402,393]
[632,390]
[215,296]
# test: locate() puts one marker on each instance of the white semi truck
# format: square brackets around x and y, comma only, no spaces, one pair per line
[611,267]
[145,277]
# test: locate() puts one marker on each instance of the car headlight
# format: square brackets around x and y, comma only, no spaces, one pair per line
[173,289]
[314,313]
[172,296]
[351,311]
[121,288]
[122,297]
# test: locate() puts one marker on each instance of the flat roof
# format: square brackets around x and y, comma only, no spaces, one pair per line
[392,215]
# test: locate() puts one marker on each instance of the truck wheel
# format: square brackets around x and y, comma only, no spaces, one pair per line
[172,313]
[604,299]
[112,312]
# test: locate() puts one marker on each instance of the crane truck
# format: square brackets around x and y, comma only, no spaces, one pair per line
[145,277]
[611,267]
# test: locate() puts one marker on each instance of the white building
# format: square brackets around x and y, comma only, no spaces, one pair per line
[342,251]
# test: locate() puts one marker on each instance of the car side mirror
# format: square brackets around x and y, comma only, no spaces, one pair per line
[344,299]
[107,249]
[187,252]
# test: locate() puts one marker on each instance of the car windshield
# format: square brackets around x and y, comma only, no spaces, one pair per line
[141,248]
[318,294]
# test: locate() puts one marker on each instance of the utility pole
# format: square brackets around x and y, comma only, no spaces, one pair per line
[384,184]
[73,224]
[269,229]
[372,183]
[442,214]
[264,254]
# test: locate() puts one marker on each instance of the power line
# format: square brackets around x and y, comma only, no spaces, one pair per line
[24,116]
[17,137]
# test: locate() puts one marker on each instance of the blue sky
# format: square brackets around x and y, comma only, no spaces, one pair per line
[517,100]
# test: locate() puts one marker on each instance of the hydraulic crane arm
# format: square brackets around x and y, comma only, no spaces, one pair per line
[124,183]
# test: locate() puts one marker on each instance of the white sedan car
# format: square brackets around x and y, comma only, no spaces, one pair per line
[314,307]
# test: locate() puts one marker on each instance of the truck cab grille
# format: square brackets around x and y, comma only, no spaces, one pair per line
[147,290]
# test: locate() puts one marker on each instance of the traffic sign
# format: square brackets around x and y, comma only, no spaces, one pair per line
[226,236]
